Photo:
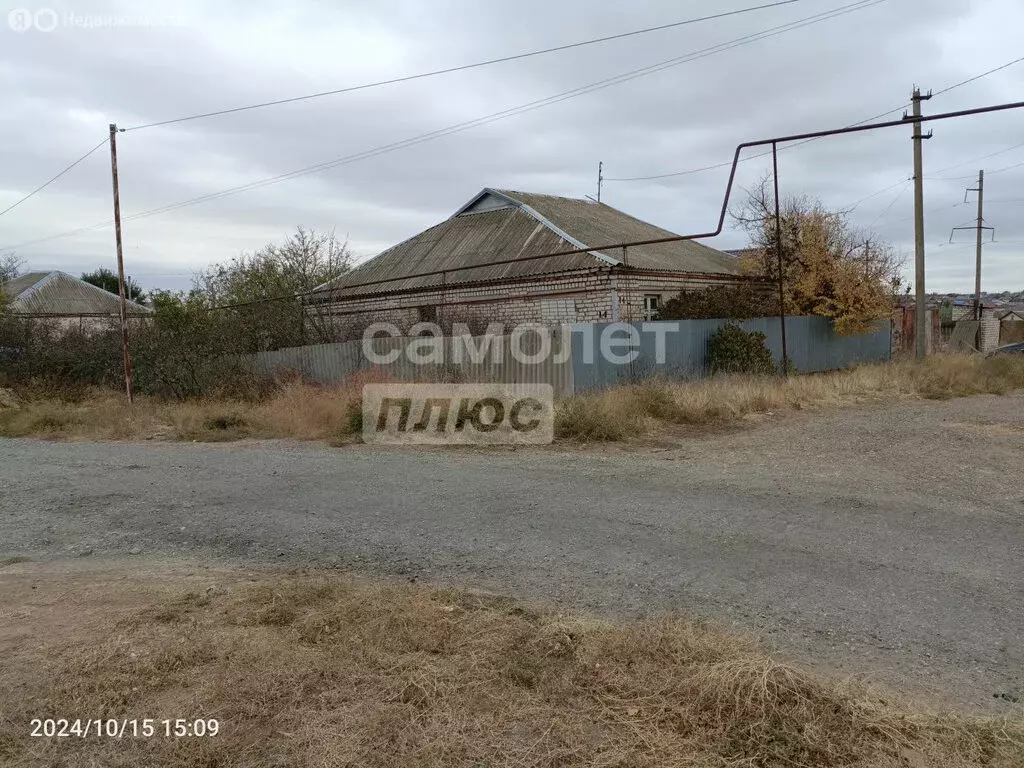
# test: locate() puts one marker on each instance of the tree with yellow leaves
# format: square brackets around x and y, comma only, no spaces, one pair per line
[830,268]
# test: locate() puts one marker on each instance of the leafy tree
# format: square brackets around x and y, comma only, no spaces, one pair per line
[107,280]
[265,289]
[734,302]
[830,268]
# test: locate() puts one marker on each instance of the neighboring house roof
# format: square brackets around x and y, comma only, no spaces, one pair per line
[58,293]
[1009,315]
[500,224]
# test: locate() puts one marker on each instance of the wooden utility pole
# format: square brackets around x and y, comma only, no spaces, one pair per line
[120,265]
[920,313]
[977,266]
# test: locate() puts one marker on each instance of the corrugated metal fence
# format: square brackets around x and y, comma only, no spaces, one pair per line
[413,361]
[672,349]
[811,346]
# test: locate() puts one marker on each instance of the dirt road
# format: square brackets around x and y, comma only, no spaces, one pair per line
[879,540]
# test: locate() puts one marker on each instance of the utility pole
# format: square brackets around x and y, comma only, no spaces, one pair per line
[784,368]
[979,226]
[920,313]
[120,265]
[977,265]
[867,259]
[600,179]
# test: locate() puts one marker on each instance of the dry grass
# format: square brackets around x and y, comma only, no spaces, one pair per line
[296,410]
[308,412]
[306,670]
[634,411]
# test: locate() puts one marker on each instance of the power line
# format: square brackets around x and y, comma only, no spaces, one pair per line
[906,186]
[48,183]
[752,157]
[969,162]
[463,67]
[673,238]
[458,127]
[792,146]
[979,76]
[876,193]
[1007,168]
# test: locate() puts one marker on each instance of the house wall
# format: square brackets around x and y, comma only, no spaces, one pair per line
[988,330]
[86,324]
[577,297]
[1011,332]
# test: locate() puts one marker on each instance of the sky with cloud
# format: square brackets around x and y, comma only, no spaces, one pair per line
[77,66]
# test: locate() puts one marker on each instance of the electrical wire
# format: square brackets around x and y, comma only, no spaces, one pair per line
[463,67]
[978,77]
[853,206]
[1003,170]
[459,127]
[889,207]
[967,162]
[48,183]
[808,141]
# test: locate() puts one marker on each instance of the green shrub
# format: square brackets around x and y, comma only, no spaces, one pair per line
[733,350]
[727,302]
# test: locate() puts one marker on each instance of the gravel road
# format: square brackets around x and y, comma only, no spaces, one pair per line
[878,540]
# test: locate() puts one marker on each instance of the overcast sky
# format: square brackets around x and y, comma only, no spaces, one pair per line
[61,88]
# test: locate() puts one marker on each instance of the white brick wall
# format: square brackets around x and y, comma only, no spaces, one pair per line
[584,296]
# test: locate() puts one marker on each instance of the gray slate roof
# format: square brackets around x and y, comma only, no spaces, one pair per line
[58,293]
[502,224]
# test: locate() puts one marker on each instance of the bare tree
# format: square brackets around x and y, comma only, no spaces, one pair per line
[10,266]
[267,288]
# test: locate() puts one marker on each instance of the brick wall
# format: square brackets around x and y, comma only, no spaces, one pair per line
[988,330]
[584,296]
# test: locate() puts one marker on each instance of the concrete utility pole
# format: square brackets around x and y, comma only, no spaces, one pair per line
[977,266]
[920,314]
[784,368]
[979,226]
[120,265]
[600,179]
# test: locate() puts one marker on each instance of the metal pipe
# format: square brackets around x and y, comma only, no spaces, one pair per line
[325,294]
[784,372]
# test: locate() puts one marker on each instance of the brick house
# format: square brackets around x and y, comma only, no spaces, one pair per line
[434,276]
[66,302]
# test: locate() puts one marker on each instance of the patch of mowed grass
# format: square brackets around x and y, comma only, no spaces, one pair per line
[317,670]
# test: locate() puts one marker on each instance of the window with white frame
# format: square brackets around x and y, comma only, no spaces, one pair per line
[652,306]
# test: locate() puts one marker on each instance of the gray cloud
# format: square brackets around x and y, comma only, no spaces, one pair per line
[66,85]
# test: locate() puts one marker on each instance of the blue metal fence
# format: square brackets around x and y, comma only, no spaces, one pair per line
[602,354]
[678,349]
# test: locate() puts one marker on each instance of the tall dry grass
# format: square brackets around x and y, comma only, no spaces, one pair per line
[296,410]
[317,671]
[309,412]
[633,411]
